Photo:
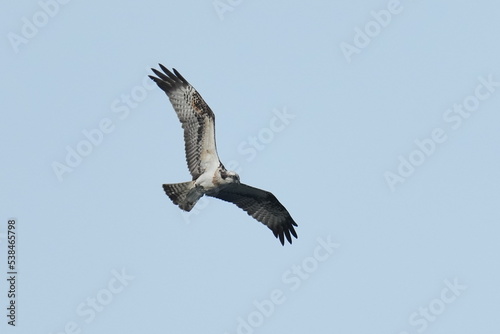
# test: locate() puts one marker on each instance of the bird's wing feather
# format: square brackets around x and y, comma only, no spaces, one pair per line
[198,120]
[261,205]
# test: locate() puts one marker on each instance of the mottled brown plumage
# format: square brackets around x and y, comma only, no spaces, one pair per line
[209,177]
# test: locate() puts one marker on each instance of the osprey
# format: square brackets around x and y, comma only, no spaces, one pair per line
[209,175]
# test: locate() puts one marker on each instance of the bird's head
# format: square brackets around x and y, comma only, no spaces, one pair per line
[231,177]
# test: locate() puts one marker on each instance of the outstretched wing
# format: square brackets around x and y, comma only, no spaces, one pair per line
[198,120]
[261,205]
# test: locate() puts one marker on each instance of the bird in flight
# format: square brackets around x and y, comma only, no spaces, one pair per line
[209,176]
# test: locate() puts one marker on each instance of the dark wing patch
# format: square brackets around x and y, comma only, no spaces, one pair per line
[196,117]
[261,205]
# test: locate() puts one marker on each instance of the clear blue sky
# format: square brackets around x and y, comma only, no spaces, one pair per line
[374,122]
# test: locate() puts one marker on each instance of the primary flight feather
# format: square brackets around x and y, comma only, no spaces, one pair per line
[209,176]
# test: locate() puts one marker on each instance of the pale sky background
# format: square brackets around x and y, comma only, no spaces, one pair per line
[418,256]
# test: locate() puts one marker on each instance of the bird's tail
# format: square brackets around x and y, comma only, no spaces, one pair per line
[184,194]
